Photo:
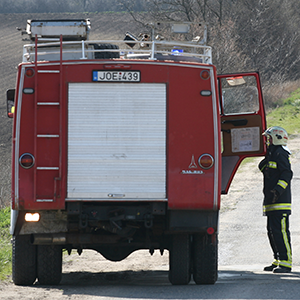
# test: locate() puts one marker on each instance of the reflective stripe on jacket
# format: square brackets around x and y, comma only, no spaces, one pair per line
[277,207]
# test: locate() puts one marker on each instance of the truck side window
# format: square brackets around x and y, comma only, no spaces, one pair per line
[239,95]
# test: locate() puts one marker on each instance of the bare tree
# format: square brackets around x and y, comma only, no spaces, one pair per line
[227,55]
[184,10]
[269,36]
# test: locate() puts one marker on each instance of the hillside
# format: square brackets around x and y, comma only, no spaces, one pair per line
[104,26]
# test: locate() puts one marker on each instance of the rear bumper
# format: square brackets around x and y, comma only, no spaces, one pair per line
[120,220]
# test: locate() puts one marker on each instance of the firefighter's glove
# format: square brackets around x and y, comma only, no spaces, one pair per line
[275,195]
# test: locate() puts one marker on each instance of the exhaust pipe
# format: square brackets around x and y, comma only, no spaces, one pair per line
[49,239]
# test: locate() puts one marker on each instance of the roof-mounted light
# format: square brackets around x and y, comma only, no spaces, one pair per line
[177,51]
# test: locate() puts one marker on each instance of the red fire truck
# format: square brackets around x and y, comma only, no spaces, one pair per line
[124,145]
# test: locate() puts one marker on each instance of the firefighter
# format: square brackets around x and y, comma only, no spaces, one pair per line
[277,173]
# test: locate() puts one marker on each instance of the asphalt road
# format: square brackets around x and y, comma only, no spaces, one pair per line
[235,282]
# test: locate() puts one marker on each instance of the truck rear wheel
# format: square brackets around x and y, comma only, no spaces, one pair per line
[180,259]
[49,264]
[205,258]
[23,260]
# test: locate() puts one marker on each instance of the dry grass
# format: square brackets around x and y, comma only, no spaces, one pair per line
[275,94]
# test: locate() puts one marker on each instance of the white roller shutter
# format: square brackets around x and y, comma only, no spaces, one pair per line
[116,141]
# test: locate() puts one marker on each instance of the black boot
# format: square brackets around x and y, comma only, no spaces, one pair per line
[281,269]
[270,268]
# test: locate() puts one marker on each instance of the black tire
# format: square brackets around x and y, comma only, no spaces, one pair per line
[205,258]
[108,54]
[180,260]
[23,260]
[49,264]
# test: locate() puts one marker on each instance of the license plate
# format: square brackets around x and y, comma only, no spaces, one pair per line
[117,76]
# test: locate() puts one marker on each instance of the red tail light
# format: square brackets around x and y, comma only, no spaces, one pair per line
[210,230]
[26,160]
[206,161]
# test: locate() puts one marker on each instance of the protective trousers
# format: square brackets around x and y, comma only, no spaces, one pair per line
[280,239]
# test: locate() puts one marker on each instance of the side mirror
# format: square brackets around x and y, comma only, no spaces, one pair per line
[10,100]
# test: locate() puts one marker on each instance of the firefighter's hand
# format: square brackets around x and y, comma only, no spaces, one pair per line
[275,195]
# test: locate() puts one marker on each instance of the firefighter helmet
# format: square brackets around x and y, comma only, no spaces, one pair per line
[278,134]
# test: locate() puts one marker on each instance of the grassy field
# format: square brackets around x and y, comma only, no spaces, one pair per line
[5,246]
[287,116]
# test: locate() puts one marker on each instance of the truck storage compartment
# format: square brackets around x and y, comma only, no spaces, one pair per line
[70,29]
[117,141]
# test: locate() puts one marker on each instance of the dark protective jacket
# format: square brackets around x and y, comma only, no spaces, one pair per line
[277,173]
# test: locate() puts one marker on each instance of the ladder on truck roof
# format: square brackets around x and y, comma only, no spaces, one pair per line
[45,172]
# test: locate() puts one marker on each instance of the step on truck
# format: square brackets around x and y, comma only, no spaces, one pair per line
[123,145]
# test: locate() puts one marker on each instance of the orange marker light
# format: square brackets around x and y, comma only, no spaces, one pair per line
[206,161]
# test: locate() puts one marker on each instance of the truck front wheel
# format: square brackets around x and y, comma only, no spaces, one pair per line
[49,264]
[23,260]
[180,259]
[205,258]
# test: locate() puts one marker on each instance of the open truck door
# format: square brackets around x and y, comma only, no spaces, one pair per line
[242,121]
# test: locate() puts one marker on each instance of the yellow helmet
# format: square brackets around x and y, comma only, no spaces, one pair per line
[278,134]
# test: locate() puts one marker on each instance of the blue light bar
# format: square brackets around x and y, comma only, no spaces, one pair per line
[177,51]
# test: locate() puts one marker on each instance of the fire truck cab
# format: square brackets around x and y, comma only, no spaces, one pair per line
[124,145]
